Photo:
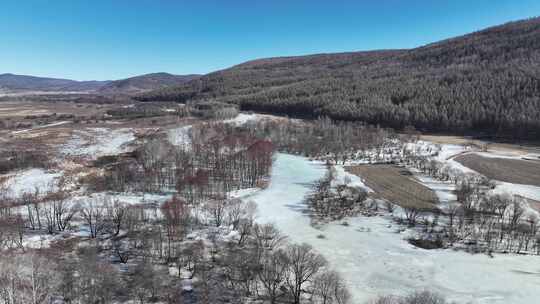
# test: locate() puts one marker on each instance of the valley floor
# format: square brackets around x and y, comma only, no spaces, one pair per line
[370,252]
[375,259]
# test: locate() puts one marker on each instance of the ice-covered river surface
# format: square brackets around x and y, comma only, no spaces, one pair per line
[375,260]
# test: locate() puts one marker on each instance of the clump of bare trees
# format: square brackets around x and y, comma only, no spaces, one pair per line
[27,278]
[200,237]
[479,221]
[334,202]
[217,158]
[326,139]
[268,267]
[256,262]
[492,223]
[24,157]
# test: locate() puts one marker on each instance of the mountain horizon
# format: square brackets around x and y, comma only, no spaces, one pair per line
[139,83]
[487,81]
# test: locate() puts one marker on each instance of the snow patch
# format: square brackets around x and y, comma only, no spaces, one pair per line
[343,177]
[243,118]
[28,181]
[97,142]
[528,191]
[180,136]
[243,193]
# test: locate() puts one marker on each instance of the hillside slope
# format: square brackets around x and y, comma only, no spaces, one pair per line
[486,81]
[133,85]
[12,82]
[146,82]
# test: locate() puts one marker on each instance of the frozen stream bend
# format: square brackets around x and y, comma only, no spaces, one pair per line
[375,260]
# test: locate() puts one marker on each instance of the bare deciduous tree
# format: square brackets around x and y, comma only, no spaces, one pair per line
[93,213]
[273,273]
[304,263]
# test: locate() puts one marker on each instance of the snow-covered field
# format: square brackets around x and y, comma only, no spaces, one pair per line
[244,118]
[96,142]
[376,260]
[180,136]
[28,181]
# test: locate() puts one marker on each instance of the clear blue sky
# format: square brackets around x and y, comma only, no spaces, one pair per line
[114,39]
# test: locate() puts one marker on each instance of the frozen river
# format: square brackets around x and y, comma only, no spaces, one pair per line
[375,260]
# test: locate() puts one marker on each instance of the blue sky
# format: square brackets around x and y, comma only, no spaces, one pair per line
[115,39]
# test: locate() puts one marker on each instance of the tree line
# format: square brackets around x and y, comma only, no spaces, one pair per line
[479,220]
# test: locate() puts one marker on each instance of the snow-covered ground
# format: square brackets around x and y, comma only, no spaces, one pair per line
[376,260]
[343,177]
[528,191]
[243,193]
[180,136]
[96,142]
[129,198]
[243,118]
[443,189]
[28,181]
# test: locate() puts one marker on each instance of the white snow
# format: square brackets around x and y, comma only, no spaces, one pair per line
[137,199]
[343,177]
[439,152]
[443,189]
[528,191]
[28,181]
[180,136]
[243,118]
[376,260]
[243,193]
[97,142]
[126,198]
[448,151]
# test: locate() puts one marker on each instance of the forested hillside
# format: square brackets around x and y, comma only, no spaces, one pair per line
[487,81]
[12,82]
[132,85]
[145,82]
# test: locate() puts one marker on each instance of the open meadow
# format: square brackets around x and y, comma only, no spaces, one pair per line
[510,170]
[397,185]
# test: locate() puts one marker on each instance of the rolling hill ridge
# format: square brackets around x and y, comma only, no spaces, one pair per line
[133,85]
[486,82]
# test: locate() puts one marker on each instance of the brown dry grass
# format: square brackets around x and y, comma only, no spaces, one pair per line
[503,169]
[14,109]
[396,185]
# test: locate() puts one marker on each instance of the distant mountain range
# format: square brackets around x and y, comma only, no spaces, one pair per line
[133,85]
[487,82]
